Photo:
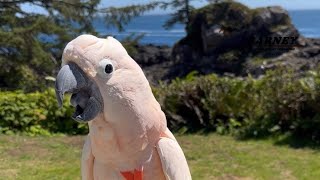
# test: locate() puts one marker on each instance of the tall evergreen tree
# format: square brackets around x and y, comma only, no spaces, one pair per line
[30,43]
[181,14]
[182,11]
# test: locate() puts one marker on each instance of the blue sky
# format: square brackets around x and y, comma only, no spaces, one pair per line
[287,4]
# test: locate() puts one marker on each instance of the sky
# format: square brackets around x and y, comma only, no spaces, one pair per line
[287,4]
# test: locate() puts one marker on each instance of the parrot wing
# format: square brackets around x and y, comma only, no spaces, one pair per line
[87,160]
[174,163]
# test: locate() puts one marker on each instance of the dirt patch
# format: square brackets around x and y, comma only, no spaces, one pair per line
[231,177]
[9,173]
[287,175]
[74,141]
[27,147]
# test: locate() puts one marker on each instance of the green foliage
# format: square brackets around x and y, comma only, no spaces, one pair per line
[131,42]
[181,14]
[229,56]
[230,15]
[30,43]
[183,10]
[280,102]
[119,16]
[36,113]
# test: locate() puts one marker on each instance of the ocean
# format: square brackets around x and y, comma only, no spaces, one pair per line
[306,21]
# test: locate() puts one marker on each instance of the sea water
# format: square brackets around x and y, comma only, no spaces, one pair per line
[306,21]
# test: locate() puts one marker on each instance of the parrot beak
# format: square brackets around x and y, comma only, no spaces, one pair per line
[85,98]
[69,79]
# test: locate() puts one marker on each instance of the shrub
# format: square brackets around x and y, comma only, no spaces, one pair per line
[36,113]
[279,102]
[209,102]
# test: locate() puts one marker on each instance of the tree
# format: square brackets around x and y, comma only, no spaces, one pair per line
[215,1]
[119,16]
[30,43]
[182,12]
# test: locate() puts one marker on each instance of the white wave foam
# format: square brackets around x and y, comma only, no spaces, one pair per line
[177,31]
[312,35]
[164,35]
[155,31]
[309,30]
[146,35]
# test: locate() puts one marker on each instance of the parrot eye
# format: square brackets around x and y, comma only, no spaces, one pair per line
[108,69]
[105,67]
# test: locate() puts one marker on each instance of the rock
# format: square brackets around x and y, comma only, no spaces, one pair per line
[270,16]
[212,37]
[302,41]
[278,14]
[222,38]
[300,59]
[154,61]
[147,55]
[213,25]
[225,27]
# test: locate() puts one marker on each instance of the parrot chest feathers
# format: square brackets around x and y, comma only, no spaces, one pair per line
[108,146]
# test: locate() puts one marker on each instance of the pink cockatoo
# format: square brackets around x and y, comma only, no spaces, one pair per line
[128,135]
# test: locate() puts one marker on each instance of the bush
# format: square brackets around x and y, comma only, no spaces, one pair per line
[36,113]
[279,102]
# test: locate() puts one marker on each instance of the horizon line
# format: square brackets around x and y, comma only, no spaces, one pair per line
[168,13]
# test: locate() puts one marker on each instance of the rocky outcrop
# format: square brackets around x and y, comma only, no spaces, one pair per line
[300,59]
[154,60]
[225,37]
[148,55]
[229,37]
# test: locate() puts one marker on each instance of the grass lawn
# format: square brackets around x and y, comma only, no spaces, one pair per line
[209,156]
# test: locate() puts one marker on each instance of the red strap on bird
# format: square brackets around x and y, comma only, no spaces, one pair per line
[135,175]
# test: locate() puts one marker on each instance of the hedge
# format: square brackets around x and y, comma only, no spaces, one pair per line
[36,113]
[279,102]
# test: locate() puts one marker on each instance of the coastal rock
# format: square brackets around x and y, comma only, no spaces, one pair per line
[147,55]
[270,16]
[222,38]
[154,60]
[300,59]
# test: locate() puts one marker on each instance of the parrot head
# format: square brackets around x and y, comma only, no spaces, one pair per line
[102,78]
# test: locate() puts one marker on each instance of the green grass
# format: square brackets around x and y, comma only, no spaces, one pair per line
[209,157]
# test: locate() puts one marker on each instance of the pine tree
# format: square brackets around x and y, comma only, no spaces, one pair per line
[182,10]
[31,43]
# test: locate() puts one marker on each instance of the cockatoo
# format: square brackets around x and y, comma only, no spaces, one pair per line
[128,135]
